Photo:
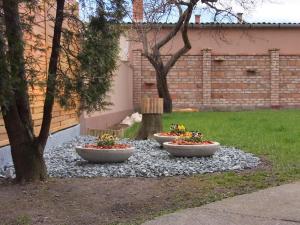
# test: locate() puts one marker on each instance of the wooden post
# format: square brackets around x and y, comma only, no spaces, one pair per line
[152,110]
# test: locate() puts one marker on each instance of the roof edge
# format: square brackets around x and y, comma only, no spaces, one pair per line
[230,25]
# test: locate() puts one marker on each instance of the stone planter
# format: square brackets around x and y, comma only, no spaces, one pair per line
[104,155]
[161,139]
[191,150]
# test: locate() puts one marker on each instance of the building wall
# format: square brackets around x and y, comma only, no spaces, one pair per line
[234,84]
[290,80]
[226,82]
[235,40]
[184,81]
[120,96]
[228,69]
[61,119]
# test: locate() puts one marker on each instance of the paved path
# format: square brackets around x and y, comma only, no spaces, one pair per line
[273,206]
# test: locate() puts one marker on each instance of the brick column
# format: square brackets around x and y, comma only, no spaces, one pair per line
[138,10]
[137,78]
[275,77]
[206,78]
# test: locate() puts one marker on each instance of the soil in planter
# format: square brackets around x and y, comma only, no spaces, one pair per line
[167,134]
[116,146]
[183,142]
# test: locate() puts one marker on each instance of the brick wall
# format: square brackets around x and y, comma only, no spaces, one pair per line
[289,92]
[227,82]
[184,81]
[240,81]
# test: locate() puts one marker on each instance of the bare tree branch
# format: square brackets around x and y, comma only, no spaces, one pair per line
[187,45]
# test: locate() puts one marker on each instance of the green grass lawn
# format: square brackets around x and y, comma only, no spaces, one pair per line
[271,134]
[274,136]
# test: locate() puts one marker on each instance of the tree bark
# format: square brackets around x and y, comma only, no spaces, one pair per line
[27,150]
[27,154]
[28,161]
[151,124]
[16,60]
[163,91]
[52,74]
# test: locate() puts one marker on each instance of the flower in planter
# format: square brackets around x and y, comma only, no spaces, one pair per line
[105,150]
[195,137]
[186,134]
[177,129]
[106,140]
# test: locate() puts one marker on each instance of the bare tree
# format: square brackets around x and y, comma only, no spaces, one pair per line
[157,14]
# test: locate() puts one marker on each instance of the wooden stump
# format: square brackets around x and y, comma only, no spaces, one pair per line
[152,109]
[152,106]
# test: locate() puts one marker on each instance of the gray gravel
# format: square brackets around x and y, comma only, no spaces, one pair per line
[148,161]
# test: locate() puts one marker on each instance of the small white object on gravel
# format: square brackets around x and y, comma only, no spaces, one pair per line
[137,117]
[127,121]
[134,118]
[148,160]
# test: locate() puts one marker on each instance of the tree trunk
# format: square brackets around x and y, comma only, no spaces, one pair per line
[26,152]
[151,124]
[52,74]
[163,91]
[28,162]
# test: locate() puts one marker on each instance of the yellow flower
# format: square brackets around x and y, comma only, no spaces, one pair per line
[189,134]
[107,137]
[106,140]
[186,134]
[181,127]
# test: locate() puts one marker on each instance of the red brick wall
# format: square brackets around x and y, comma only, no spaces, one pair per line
[289,94]
[228,82]
[184,81]
[240,81]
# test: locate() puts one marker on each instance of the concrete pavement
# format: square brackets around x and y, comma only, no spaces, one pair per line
[273,206]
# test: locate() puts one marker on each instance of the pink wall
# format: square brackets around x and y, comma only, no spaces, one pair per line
[230,41]
[228,69]
[121,97]
[236,41]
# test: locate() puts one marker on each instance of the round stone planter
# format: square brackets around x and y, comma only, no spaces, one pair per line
[161,139]
[104,155]
[191,150]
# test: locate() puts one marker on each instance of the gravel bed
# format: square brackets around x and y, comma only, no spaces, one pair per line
[148,161]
